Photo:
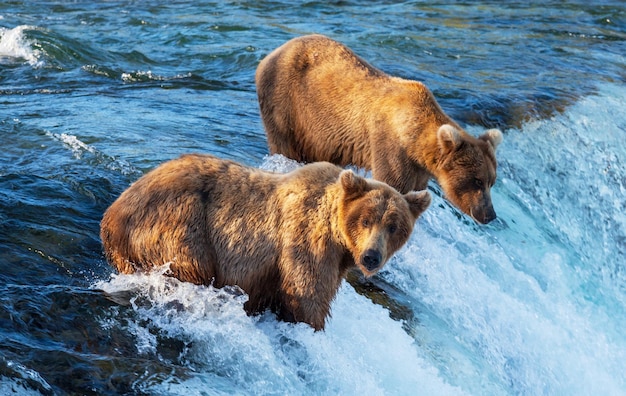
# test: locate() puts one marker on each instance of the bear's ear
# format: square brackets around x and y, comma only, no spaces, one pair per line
[354,185]
[448,137]
[493,137]
[418,202]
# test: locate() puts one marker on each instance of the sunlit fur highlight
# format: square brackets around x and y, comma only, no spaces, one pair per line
[319,101]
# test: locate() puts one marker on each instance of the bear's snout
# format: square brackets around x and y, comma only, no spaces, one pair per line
[371,259]
[490,214]
[483,214]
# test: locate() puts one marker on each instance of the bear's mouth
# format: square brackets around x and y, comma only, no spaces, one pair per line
[367,273]
[485,219]
[471,214]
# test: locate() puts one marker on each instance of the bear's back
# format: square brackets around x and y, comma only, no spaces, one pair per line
[320,101]
[198,210]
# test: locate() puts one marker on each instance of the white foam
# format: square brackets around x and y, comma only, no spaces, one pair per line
[12,386]
[362,350]
[279,163]
[80,149]
[72,142]
[23,381]
[530,298]
[140,76]
[14,46]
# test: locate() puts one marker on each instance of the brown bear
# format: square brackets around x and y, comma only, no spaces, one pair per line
[321,102]
[287,240]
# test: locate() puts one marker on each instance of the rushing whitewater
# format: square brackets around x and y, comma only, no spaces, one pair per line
[14,46]
[366,353]
[531,305]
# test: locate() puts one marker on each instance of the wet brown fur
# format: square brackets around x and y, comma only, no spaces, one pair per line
[287,239]
[321,102]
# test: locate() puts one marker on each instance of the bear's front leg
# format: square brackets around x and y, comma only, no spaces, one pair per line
[307,290]
[298,310]
[394,167]
[300,305]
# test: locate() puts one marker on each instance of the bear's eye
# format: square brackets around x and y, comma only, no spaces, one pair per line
[365,223]
[392,228]
[479,183]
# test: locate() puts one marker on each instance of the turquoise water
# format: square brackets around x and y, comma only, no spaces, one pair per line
[94,95]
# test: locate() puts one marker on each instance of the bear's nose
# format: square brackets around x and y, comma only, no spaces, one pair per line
[371,259]
[485,215]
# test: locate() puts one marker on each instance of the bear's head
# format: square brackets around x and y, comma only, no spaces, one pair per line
[376,220]
[469,167]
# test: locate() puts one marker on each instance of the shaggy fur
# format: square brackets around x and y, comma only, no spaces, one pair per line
[321,102]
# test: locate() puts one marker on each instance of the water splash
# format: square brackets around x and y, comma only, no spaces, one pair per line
[279,163]
[22,380]
[80,149]
[14,46]
[362,350]
[77,147]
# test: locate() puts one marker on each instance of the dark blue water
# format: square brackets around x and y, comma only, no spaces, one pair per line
[93,95]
